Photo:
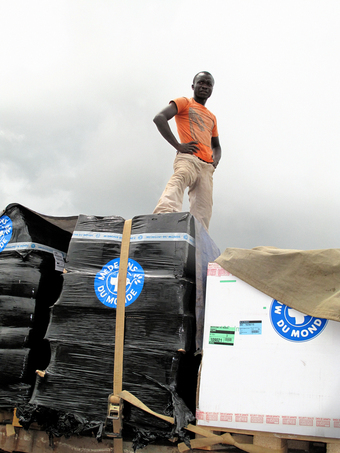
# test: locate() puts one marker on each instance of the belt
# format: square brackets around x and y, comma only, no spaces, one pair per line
[211,163]
[204,160]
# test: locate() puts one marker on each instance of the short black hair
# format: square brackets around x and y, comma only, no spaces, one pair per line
[203,72]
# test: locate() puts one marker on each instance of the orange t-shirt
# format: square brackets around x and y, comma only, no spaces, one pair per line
[196,123]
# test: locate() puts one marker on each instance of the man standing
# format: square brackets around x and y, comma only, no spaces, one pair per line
[198,153]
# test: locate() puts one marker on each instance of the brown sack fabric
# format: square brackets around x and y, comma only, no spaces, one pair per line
[308,281]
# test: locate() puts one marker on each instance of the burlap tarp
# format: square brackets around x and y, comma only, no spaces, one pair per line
[308,281]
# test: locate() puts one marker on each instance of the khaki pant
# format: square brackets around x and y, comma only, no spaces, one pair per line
[189,171]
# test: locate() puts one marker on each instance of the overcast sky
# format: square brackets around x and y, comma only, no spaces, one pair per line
[81,81]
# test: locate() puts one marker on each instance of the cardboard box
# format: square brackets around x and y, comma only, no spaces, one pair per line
[266,367]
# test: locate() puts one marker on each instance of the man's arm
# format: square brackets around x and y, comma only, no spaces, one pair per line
[161,121]
[216,149]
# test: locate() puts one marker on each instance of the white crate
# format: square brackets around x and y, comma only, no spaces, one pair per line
[266,367]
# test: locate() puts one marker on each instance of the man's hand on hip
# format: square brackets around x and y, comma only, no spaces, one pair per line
[187,148]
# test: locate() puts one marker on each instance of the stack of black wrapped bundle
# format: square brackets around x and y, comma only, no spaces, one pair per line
[159,319]
[31,264]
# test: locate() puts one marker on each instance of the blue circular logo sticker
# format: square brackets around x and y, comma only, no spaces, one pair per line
[293,325]
[6,229]
[106,282]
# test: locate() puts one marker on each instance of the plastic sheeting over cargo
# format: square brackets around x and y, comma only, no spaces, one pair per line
[164,317]
[160,317]
[30,282]
[308,281]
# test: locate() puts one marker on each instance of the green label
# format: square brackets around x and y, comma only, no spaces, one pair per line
[222,335]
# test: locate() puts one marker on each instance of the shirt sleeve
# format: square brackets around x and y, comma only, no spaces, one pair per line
[215,130]
[181,103]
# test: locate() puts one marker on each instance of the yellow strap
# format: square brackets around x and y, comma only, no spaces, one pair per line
[209,438]
[118,445]
[120,313]
[15,421]
[127,396]
[120,323]
[228,439]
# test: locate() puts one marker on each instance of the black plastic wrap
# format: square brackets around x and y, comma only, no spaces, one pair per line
[172,295]
[95,241]
[16,311]
[147,329]
[159,323]
[14,337]
[13,365]
[11,395]
[160,244]
[29,285]
[79,379]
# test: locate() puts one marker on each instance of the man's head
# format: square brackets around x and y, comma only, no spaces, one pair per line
[203,85]
[206,73]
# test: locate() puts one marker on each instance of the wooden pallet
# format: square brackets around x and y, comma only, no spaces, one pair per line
[264,442]
[35,441]
[15,438]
